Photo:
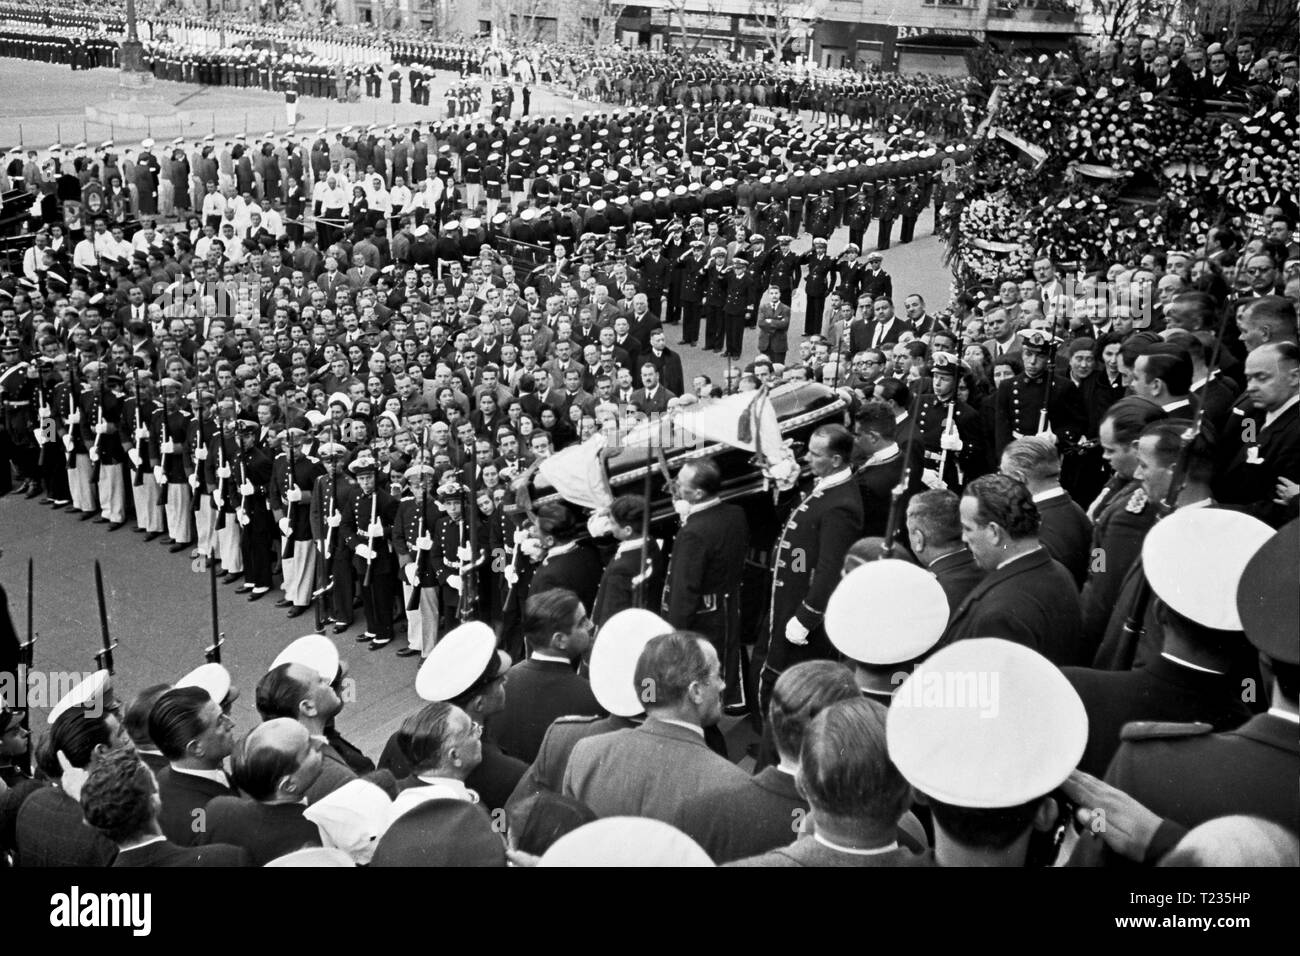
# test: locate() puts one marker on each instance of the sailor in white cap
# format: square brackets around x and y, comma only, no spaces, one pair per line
[987,730]
[413,529]
[885,616]
[306,681]
[625,842]
[214,679]
[1185,772]
[465,668]
[612,668]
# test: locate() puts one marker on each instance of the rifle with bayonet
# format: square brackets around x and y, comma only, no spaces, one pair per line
[104,656]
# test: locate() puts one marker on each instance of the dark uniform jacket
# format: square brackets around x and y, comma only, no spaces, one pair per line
[579,569]
[618,585]
[704,570]
[547,771]
[1031,601]
[1163,690]
[1117,539]
[539,692]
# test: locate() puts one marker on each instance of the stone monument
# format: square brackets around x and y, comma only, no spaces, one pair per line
[135,104]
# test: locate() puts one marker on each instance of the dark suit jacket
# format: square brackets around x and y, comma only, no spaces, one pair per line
[1031,601]
[1187,774]
[651,771]
[1066,533]
[168,854]
[958,574]
[708,559]
[547,771]
[747,817]
[51,831]
[537,692]
[1163,690]
[181,795]
[669,364]
[266,831]
[1249,479]
[649,404]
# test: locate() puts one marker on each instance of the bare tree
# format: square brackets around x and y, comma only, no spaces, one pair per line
[677,10]
[597,21]
[520,21]
[785,20]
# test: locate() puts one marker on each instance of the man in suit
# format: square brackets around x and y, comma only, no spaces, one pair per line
[666,362]
[934,534]
[1065,530]
[194,734]
[547,684]
[1188,774]
[120,801]
[331,281]
[1164,83]
[274,766]
[855,793]
[773,326]
[702,591]
[883,330]
[1027,597]
[809,557]
[652,398]
[656,769]
[1219,83]
[1268,462]
[878,461]
[763,812]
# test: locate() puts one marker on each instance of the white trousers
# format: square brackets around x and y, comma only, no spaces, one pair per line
[205,523]
[112,493]
[83,493]
[178,511]
[298,572]
[422,623]
[149,513]
[228,541]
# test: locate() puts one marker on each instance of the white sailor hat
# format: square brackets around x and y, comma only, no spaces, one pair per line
[625,841]
[315,857]
[352,818]
[420,231]
[89,693]
[418,471]
[986,723]
[213,678]
[341,398]
[460,660]
[312,650]
[614,655]
[1203,590]
[886,612]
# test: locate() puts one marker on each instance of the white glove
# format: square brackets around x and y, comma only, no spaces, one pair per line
[168,447]
[242,515]
[101,428]
[363,552]
[286,528]
[1048,434]
[930,478]
[412,574]
[67,443]
[223,471]
[134,455]
[159,475]
[295,494]
[511,574]
[951,441]
[74,417]
[454,582]
[218,500]
[194,481]
[94,453]
[246,488]
[39,432]
[464,553]
[201,453]
[424,542]
[376,529]
[73,779]
[334,520]
[142,434]
[795,632]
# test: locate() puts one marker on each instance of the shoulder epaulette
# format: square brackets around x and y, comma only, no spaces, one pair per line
[1157,730]
[1137,502]
[578,719]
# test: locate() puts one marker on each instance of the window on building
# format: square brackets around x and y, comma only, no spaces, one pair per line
[485,28]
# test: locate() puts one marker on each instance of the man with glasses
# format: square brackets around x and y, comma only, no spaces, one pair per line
[1261,276]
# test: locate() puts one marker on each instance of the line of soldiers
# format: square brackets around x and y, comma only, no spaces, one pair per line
[80,50]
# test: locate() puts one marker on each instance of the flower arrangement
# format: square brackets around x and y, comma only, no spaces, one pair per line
[1261,159]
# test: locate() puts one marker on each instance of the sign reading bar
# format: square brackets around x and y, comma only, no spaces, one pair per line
[909,33]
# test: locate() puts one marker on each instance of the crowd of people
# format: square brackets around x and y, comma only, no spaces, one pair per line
[344,373]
